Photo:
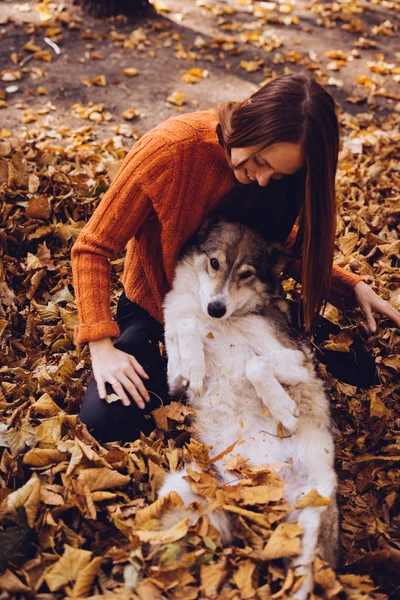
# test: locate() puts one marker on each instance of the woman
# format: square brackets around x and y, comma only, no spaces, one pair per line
[267,161]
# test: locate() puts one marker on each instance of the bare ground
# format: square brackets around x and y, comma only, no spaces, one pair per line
[91,47]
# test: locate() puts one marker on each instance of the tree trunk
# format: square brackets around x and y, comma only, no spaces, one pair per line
[106,8]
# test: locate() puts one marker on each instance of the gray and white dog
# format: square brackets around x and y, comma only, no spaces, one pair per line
[227,284]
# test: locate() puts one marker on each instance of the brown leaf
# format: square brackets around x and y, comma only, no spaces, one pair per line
[211,577]
[68,568]
[38,207]
[313,498]
[284,542]
[86,577]
[338,343]
[347,243]
[157,508]
[42,457]
[167,536]
[102,479]
[10,583]
[243,579]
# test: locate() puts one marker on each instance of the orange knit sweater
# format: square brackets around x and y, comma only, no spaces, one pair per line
[170,180]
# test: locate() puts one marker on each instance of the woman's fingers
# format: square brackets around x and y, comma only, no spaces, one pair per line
[138,367]
[119,390]
[366,309]
[101,388]
[135,388]
[370,301]
[391,312]
[134,381]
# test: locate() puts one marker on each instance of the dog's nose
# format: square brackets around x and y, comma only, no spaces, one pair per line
[216,309]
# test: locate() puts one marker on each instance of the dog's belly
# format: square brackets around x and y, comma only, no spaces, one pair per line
[256,435]
[229,409]
[229,345]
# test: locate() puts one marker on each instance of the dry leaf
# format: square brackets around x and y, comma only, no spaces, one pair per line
[284,542]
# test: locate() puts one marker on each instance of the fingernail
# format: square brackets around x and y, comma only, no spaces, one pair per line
[141,405]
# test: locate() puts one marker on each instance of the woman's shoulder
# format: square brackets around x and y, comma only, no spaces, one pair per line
[199,126]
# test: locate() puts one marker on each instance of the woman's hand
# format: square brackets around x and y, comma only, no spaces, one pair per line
[369,301]
[119,369]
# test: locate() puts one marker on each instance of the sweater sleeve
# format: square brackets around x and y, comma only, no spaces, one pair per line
[120,214]
[341,293]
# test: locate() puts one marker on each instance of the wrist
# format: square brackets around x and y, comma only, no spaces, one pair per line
[99,344]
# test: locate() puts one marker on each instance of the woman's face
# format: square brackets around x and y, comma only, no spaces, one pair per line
[273,162]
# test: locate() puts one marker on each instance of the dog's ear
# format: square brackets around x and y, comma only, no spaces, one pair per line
[278,258]
[200,236]
[212,220]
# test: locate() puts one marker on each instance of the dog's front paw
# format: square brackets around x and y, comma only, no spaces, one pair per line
[286,413]
[196,378]
[177,385]
[192,359]
[192,379]
[194,370]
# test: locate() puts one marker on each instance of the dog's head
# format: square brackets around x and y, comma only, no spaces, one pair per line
[238,271]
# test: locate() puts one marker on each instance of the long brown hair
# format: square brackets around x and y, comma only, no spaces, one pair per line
[296,109]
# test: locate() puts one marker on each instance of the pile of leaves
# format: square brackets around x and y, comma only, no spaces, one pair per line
[80,518]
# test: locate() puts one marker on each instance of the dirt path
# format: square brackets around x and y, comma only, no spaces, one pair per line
[215,37]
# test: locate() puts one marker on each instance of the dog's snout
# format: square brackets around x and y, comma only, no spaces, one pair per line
[216,309]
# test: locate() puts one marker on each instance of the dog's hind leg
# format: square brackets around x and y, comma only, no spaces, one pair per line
[287,366]
[281,405]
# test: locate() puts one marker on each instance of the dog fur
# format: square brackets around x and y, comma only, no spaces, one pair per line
[227,283]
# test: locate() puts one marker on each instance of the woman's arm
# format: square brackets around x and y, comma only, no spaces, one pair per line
[349,290]
[120,214]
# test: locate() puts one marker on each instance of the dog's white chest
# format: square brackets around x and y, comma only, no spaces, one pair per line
[229,345]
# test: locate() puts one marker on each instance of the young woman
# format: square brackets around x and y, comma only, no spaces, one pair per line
[268,161]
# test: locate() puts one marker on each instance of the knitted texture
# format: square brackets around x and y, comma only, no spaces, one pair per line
[170,180]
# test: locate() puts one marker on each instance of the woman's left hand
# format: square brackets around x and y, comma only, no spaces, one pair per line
[369,301]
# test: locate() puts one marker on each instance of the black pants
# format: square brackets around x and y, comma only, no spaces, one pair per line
[140,336]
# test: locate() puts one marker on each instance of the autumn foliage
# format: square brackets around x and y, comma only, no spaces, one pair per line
[80,519]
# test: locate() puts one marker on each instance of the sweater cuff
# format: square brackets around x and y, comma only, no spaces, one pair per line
[99,331]
[342,295]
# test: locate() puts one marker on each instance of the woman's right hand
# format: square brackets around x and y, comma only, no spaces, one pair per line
[119,369]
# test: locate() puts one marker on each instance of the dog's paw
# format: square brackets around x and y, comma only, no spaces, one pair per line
[283,408]
[287,414]
[295,376]
[196,381]
[177,385]
[287,366]
[194,371]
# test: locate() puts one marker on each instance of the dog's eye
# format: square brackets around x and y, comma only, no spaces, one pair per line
[214,264]
[245,275]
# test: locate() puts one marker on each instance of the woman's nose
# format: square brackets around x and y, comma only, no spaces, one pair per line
[263,176]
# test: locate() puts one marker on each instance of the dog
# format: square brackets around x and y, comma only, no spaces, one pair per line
[231,347]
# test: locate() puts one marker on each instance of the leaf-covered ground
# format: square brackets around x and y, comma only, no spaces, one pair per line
[77,518]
